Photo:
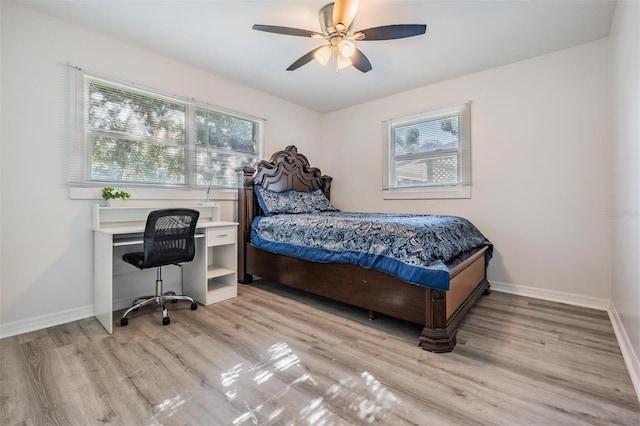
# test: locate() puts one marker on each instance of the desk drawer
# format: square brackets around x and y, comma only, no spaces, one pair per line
[221,236]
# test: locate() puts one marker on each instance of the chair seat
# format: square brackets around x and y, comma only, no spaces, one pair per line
[136,259]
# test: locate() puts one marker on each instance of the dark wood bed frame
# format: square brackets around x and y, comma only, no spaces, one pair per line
[439,311]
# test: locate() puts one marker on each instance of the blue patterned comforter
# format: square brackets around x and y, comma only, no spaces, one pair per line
[411,247]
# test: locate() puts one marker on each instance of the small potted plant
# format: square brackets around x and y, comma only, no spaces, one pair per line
[114,196]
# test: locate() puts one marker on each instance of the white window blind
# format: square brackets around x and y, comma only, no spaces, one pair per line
[126,135]
[429,152]
[134,137]
[224,143]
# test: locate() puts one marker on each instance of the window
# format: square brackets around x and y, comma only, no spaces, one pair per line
[131,136]
[428,155]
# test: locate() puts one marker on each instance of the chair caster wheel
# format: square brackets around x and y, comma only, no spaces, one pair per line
[166,321]
[194,306]
[123,322]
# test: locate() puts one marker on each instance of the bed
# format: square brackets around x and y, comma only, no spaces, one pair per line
[439,308]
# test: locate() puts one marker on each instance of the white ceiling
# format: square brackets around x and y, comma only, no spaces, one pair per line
[462,37]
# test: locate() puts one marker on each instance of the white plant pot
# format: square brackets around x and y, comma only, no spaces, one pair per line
[115,202]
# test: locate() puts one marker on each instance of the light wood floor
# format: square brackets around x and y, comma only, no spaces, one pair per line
[267,359]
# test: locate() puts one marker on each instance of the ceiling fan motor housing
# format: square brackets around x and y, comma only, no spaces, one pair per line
[326,18]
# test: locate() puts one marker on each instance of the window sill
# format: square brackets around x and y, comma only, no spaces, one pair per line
[431,194]
[200,195]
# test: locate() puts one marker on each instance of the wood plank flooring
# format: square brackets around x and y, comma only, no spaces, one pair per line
[279,356]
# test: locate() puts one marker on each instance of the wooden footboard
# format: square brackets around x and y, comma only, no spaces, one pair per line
[446,309]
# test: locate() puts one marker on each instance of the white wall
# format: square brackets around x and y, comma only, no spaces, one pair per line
[540,167]
[47,245]
[541,161]
[625,197]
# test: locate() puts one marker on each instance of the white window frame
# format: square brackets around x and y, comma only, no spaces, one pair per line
[461,189]
[77,157]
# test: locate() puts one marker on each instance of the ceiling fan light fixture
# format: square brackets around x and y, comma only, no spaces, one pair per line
[336,19]
[323,55]
[342,62]
[346,48]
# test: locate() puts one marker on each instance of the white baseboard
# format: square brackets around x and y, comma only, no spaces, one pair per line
[51,320]
[629,355]
[123,303]
[44,321]
[552,295]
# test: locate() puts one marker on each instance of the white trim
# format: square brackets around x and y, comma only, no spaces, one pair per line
[431,194]
[552,295]
[434,114]
[137,193]
[80,132]
[628,354]
[122,303]
[463,153]
[57,318]
[45,321]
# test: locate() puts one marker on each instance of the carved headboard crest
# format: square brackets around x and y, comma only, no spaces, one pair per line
[287,169]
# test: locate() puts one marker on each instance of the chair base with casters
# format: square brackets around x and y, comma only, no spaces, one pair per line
[159,298]
[168,240]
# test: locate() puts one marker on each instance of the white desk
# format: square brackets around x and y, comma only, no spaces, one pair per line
[209,278]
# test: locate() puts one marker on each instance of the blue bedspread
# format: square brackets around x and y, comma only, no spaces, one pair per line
[410,247]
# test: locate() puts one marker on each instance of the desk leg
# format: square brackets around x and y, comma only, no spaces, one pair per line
[103,280]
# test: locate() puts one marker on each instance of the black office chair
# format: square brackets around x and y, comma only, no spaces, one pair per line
[168,240]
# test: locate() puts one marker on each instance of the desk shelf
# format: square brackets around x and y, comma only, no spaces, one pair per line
[130,240]
[214,271]
[221,288]
[136,215]
[218,256]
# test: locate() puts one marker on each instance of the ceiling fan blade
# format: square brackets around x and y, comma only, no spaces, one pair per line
[344,11]
[305,59]
[390,32]
[287,31]
[359,61]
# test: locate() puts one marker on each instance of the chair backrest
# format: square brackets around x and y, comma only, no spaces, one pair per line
[169,237]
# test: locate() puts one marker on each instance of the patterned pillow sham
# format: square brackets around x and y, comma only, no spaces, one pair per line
[292,201]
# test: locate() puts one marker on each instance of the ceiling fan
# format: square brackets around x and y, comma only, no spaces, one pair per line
[335,21]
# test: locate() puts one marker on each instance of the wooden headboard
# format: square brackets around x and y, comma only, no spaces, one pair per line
[287,169]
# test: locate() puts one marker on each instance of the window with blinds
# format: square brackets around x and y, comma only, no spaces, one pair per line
[132,136]
[223,144]
[429,155]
